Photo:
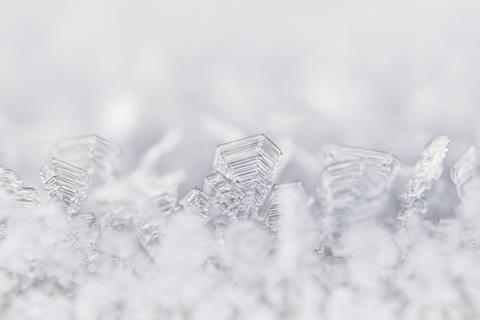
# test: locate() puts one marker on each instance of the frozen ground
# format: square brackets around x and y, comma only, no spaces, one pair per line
[193,74]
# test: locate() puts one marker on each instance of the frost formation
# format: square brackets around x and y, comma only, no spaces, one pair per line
[98,245]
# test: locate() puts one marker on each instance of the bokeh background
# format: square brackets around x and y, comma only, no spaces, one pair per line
[384,74]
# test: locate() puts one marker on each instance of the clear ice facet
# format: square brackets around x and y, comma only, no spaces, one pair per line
[427,170]
[377,160]
[65,183]
[355,177]
[225,198]
[270,215]
[12,184]
[466,172]
[92,153]
[242,180]
[250,164]
[196,201]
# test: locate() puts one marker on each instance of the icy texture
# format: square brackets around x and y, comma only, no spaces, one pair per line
[197,202]
[81,163]
[12,184]
[226,197]
[92,153]
[239,187]
[133,253]
[242,179]
[355,177]
[385,74]
[65,183]
[250,164]
[466,173]
[426,171]
[271,215]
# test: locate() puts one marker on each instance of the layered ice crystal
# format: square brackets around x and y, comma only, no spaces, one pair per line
[241,181]
[250,164]
[270,215]
[425,173]
[355,177]
[94,154]
[196,201]
[225,197]
[466,172]
[65,183]
[79,163]
[12,184]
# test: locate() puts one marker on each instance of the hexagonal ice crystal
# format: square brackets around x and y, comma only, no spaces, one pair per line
[65,183]
[12,184]
[355,176]
[92,153]
[250,164]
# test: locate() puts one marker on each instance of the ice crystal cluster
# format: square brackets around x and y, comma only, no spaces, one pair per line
[361,242]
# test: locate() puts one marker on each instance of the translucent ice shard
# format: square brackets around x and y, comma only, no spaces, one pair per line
[196,201]
[65,183]
[250,164]
[355,177]
[426,171]
[270,215]
[12,184]
[225,198]
[379,160]
[466,172]
[239,185]
[96,155]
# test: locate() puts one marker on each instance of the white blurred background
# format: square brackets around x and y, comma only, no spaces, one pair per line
[383,74]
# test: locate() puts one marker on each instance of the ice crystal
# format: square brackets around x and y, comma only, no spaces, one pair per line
[12,184]
[259,250]
[96,155]
[466,173]
[197,202]
[80,163]
[250,164]
[226,197]
[426,171]
[65,183]
[271,214]
[354,178]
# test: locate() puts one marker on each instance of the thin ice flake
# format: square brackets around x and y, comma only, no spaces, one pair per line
[225,197]
[65,183]
[355,177]
[12,184]
[96,155]
[196,201]
[425,173]
[466,172]
[250,164]
[270,216]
